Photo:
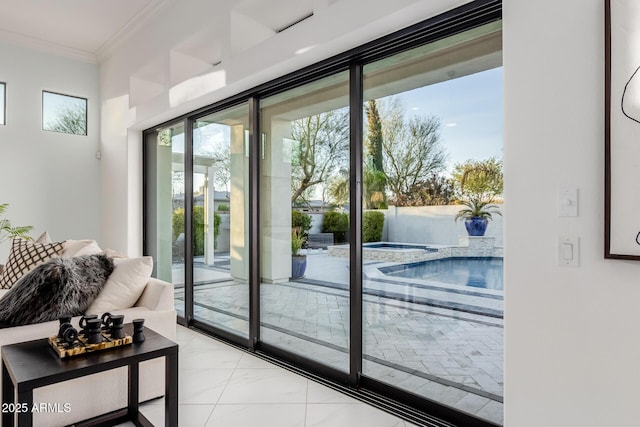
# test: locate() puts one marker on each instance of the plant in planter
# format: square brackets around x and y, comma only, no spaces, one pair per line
[7,231]
[302,223]
[298,261]
[477,214]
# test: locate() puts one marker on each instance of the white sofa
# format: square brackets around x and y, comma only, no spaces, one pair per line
[101,393]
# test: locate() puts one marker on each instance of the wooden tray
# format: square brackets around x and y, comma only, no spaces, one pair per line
[81,345]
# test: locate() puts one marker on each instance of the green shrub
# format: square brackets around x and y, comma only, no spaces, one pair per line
[336,223]
[177,223]
[372,226]
[223,208]
[198,228]
[300,221]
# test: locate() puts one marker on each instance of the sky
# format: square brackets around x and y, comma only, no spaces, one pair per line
[470,112]
[469,109]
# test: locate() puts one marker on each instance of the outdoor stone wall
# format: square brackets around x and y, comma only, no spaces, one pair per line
[405,255]
[427,225]
[480,247]
[434,225]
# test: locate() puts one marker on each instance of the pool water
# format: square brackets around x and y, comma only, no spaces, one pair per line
[478,272]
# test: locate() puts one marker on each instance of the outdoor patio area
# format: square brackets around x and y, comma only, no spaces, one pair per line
[441,341]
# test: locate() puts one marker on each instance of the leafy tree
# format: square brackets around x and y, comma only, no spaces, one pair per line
[338,188]
[412,150]
[373,144]
[374,178]
[222,169]
[479,179]
[71,120]
[435,190]
[323,147]
[373,183]
[212,141]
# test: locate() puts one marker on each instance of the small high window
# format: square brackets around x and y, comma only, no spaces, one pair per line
[64,113]
[3,99]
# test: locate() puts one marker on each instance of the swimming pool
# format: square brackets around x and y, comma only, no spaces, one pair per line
[478,272]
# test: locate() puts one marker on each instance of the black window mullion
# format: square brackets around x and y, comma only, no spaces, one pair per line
[254,222]
[188,219]
[355,229]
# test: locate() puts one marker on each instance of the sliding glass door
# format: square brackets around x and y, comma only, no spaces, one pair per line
[432,294]
[304,195]
[165,215]
[322,218]
[220,209]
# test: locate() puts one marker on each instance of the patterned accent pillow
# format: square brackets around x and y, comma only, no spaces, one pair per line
[25,256]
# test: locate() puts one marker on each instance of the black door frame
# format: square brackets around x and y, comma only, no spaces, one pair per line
[468,16]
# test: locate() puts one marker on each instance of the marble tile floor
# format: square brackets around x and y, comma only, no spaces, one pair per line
[222,386]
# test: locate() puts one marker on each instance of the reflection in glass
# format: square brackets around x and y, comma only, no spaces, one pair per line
[432,303]
[304,195]
[166,218]
[220,219]
[64,113]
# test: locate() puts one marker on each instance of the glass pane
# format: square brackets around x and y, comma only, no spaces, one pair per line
[433,293]
[165,217]
[63,113]
[304,208]
[220,219]
[2,104]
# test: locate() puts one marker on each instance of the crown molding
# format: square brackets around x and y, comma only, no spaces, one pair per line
[142,18]
[47,47]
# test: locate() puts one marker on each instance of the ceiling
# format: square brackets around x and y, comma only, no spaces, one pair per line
[87,28]
[80,27]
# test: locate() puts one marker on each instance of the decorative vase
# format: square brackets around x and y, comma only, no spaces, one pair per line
[476,226]
[298,266]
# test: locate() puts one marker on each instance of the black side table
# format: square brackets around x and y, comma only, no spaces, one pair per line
[33,364]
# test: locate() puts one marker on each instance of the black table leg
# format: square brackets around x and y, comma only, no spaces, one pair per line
[171,390]
[25,404]
[133,390]
[8,397]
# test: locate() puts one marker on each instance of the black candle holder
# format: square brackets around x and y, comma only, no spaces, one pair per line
[138,330]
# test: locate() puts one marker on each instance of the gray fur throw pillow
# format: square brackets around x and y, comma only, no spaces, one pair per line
[59,287]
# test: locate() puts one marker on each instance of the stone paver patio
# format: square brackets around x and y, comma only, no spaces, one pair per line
[441,342]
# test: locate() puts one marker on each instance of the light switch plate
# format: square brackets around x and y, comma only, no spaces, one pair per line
[568,201]
[568,251]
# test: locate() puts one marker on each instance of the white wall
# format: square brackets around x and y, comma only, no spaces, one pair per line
[571,334]
[434,225]
[166,70]
[51,180]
